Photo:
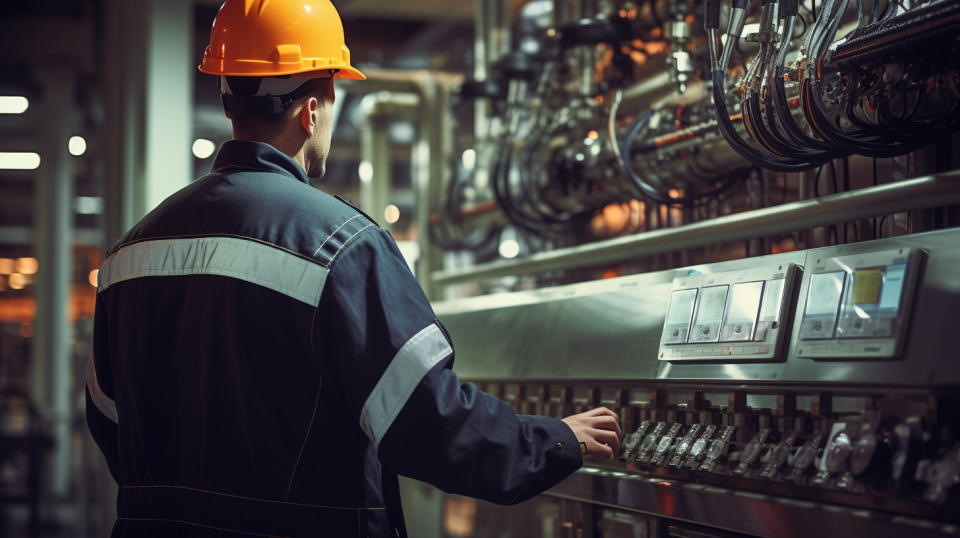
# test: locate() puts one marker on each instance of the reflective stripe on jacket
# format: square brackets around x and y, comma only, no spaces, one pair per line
[266,364]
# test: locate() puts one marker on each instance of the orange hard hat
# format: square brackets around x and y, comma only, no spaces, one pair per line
[266,38]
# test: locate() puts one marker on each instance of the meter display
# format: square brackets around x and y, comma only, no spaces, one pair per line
[706,322]
[769,317]
[733,315]
[741,313]
[823,301]
[871,303]
[858,305]
[679,313]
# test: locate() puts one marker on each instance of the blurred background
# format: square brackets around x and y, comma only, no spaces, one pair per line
[513,146]
[102,115]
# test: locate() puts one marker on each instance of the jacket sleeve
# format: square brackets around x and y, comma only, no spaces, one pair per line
[391,360]
[101,409]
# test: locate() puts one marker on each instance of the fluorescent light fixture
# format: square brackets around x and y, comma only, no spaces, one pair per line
[77,146]
[19,160]
[203,148]
[13,104]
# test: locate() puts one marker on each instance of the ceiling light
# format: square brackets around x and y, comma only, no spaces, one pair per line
[88,205]
[391,214]
[27,266]
[19,160]
[509,248]
[13,104]
[77,146]
[203,148]
[469,158]
[17,281]
[365,171]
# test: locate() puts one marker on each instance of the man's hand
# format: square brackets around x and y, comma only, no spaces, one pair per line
[599,428]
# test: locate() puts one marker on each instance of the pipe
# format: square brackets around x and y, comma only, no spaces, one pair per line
[920,193]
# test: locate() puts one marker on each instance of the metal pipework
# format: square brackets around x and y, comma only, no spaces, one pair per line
[378,110]
[918,193]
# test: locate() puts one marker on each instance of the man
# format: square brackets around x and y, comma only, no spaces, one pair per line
[264,361]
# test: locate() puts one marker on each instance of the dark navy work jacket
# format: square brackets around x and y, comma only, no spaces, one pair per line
[266,364]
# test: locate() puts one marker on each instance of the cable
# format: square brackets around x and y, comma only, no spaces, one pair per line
[734,29]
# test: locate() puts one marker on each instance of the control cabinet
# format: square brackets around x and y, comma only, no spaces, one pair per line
[815,387]
[858,306]
[739,315]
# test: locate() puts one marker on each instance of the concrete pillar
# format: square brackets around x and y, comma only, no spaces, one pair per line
[148,89]
[52,380]
[379,109]
[431,156]
[123,90]
[168,117]
[376,168]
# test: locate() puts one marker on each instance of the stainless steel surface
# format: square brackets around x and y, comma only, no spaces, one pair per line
[919,193]
[737,511]
[610,329]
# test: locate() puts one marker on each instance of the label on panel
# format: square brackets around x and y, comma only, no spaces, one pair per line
[823,301]
[743,306]
[679,314]
[706,322]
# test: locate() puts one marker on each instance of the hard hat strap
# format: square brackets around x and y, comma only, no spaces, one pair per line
[239,106]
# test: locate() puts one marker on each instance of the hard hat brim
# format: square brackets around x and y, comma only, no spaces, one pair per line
[242,68]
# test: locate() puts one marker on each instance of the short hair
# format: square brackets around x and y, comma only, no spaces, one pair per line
[269,124]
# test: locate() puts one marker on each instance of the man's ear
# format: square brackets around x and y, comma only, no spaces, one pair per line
[308,116]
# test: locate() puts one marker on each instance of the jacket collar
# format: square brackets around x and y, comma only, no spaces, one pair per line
[249,154]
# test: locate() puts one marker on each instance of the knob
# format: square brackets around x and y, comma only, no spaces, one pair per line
[838,453]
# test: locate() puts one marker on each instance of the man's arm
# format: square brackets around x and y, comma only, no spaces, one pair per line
[391,359]
[101,410]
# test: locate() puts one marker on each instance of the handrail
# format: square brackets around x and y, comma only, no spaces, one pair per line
[919,193]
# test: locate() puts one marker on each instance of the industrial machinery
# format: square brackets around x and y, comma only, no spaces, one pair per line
[796,394]
[594,119]
[731,223]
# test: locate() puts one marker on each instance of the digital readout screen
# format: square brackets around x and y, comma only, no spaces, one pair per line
[772,297]
[892,287]
[712,301]
[744,301]
[876,289]
[681,307]
[823,298]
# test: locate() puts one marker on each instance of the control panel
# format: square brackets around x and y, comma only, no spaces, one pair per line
[858,306]
[737,315]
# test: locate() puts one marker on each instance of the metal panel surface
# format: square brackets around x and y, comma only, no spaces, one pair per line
[739,511]
[610,329]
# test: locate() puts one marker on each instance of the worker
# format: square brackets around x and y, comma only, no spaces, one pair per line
[264,361]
